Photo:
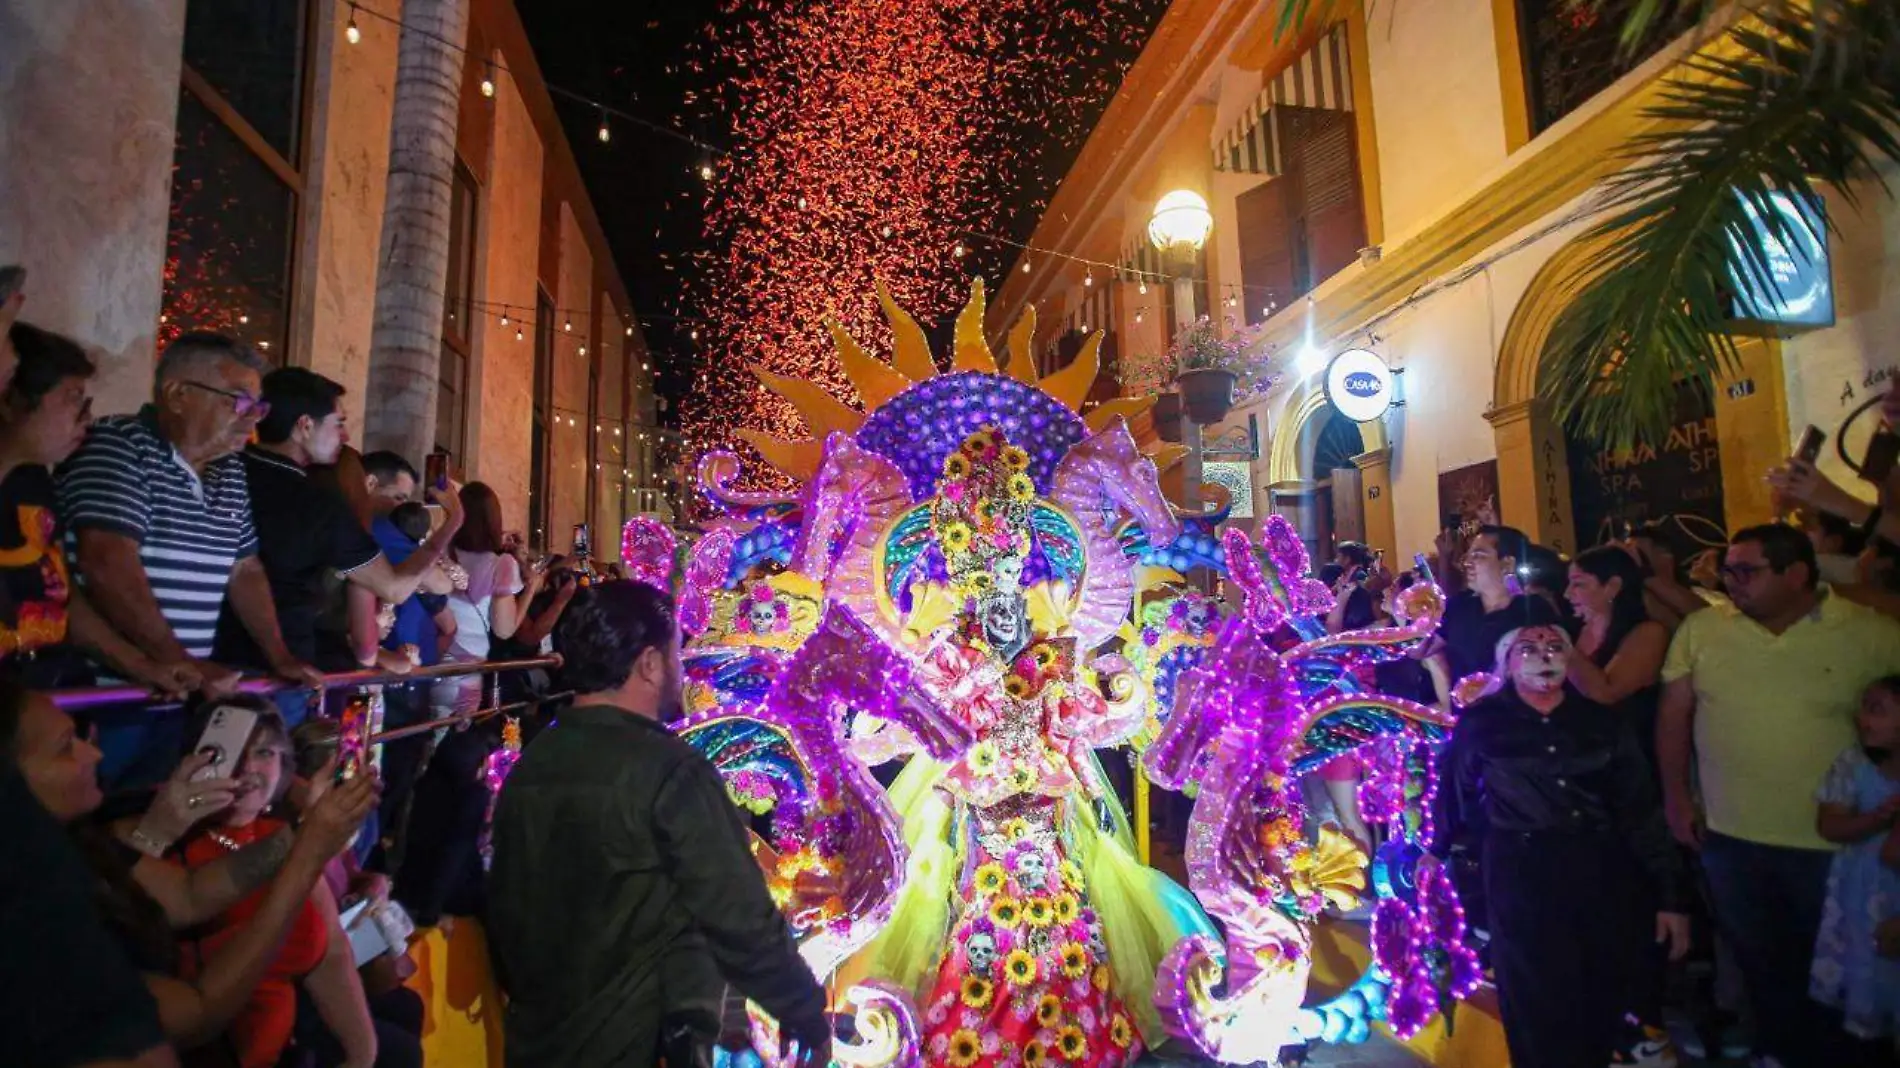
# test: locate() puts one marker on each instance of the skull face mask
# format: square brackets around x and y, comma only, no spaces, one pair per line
[762,616]
[980,948]
[1537,659]
[1004,624]
[1032,871]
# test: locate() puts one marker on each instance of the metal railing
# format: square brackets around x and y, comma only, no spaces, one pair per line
[134,698]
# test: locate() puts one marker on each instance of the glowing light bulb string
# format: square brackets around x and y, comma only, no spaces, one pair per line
[492,68]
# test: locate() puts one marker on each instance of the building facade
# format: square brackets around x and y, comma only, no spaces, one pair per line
[170,165]
[1415,180]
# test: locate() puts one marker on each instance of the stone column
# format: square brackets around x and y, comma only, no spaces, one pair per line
[1534,474]
[1375,478]
[88,112]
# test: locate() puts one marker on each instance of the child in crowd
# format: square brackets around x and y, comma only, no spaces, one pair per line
[1858,804]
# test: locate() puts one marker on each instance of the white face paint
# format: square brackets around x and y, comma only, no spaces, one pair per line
[1538,659]
[1003,623]
[763,616]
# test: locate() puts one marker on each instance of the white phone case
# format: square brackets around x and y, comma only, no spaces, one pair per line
[225,736]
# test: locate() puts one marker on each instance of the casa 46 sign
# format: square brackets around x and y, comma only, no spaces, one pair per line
[1359,384]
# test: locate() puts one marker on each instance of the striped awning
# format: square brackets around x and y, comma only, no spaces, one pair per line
[1141,261]
[1092,314]
[1320,78]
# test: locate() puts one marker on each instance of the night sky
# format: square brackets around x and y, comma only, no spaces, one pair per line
[663,62]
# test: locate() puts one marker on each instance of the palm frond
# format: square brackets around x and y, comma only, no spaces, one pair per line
[1292,14]
[1741,130]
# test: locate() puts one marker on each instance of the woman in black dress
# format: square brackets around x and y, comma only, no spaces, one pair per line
[1575,848]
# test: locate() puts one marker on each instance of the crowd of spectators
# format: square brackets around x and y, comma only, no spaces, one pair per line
[1656,741]
[256,913]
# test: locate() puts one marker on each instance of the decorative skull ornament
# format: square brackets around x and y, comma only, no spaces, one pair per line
[1032,871]
[1097,945]
[762,616]
[1009,572]
[980,948]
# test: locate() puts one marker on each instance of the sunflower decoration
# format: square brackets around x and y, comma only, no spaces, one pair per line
[965,1048]
[1021,779]
[1017,687]
[1075,960]
[1066,908]
[1015,829]
[982,758]
[981,513]
[1020,968]
[1015,459]
[1120,1031]
[1038,912]
[1049,1011]
[1071,1043]
[1034,1055]
[977,991]
[1072,875]
[990,879]
[1100,977]
[1005,912]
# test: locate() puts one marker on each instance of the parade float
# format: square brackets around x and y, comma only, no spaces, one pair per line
[981,584]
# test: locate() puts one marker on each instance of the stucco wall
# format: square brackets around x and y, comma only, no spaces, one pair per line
[1437,104]
[88,106]
[574,288]
[502,378]
[348,170]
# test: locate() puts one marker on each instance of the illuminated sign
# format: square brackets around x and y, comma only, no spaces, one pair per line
[1359,384]
[1782,277]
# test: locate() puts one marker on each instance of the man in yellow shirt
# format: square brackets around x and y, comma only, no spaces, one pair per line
[1761,691]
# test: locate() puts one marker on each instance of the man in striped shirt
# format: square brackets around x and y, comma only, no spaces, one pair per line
[159,515]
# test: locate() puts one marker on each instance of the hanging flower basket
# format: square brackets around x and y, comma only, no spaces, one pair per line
[1208,394]
[1167,413]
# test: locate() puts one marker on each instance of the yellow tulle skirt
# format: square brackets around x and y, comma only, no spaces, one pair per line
[1143,913]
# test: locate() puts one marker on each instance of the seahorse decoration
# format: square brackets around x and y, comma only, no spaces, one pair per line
[1261,709]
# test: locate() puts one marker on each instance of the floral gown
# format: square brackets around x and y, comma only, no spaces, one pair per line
[1026,978]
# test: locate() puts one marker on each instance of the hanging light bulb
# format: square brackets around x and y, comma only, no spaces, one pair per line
[1088,279]
[1139,315]
[695,334]
[350,32]
[517,333]
[706,172]
[603,134]
[1144,287]
[488,80]
[1025,266]
[629,331]
[504,315]
[583,350]
[567,326]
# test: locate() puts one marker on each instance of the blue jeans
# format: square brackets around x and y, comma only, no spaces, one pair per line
[1768,901]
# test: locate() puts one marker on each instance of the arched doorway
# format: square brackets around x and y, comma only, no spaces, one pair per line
[1329,475]
[1702,480]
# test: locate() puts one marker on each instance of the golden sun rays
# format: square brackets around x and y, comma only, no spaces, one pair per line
[877,382]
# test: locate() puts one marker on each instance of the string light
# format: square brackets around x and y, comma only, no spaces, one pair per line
[504,315]
[603,134]
[1088,279]
[567,326]
[351,32]
[629,331]
[488,80]
[583,350]
[706,172]
[517,333]
[1025,266]
[1144,287]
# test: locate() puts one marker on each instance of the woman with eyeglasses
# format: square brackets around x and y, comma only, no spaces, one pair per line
[46,622]
[1578,867]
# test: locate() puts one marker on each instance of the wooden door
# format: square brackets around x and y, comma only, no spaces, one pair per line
[1349,505]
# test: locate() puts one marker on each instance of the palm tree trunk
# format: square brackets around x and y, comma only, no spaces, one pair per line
[406,340]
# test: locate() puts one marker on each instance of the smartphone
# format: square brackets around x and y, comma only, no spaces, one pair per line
[225,736]
[581,544]
[12,279]
[1882,450]
[352,738]
[1811,441]
[435,471]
